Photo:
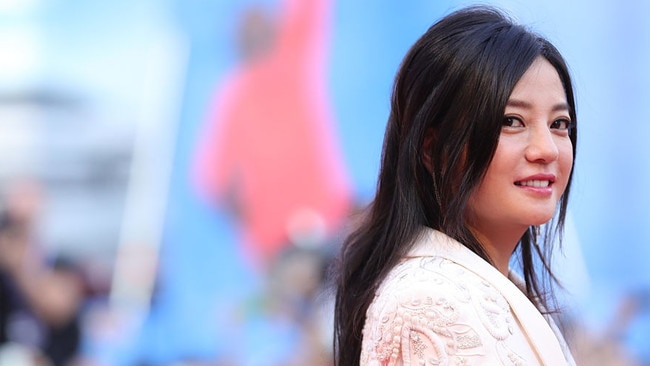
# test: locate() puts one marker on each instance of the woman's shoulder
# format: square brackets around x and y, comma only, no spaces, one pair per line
[434,276]
[437,309]
[438,284]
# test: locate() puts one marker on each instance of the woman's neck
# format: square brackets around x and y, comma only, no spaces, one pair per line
[499,244]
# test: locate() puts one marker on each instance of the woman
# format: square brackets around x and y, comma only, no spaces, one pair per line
[477,165]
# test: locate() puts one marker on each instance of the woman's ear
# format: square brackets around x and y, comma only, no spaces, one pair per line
[427,149]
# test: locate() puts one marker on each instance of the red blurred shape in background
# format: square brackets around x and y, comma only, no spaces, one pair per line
[269,148]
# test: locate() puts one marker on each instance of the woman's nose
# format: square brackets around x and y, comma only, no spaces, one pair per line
[542,147]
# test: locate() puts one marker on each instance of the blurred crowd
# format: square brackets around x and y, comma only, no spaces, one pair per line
[41,294]
[47,317]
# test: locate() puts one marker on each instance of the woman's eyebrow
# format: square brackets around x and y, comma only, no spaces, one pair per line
[526,105]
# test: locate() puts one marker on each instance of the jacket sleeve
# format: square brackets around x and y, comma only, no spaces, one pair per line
[417,326]
[405,344]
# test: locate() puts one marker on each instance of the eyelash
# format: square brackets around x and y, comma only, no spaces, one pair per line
[568,125]
[510,121]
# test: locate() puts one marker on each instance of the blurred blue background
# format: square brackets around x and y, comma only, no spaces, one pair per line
[105,103]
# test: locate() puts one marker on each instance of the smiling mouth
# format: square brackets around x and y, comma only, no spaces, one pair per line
[534,183]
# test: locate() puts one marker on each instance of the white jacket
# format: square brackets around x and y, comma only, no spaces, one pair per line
[444,305]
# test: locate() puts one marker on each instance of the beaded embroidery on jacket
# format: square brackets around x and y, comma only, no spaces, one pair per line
[432,311]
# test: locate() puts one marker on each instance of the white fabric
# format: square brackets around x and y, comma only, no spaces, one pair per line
[444,305]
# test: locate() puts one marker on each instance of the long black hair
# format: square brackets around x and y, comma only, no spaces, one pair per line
[453,85]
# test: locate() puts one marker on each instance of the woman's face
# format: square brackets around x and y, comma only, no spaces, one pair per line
[533,159]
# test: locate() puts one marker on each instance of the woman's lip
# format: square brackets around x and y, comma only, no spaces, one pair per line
[542,191]
[538,184]
[537,177]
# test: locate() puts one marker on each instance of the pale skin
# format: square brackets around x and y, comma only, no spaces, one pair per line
[530,168]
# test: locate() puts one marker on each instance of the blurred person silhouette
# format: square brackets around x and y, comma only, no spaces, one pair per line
[606,347]
[268,151]
[294,293]
[40,299]
[475,173]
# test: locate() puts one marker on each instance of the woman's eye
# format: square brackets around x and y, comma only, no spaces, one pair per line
[561,124]
[512,122]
